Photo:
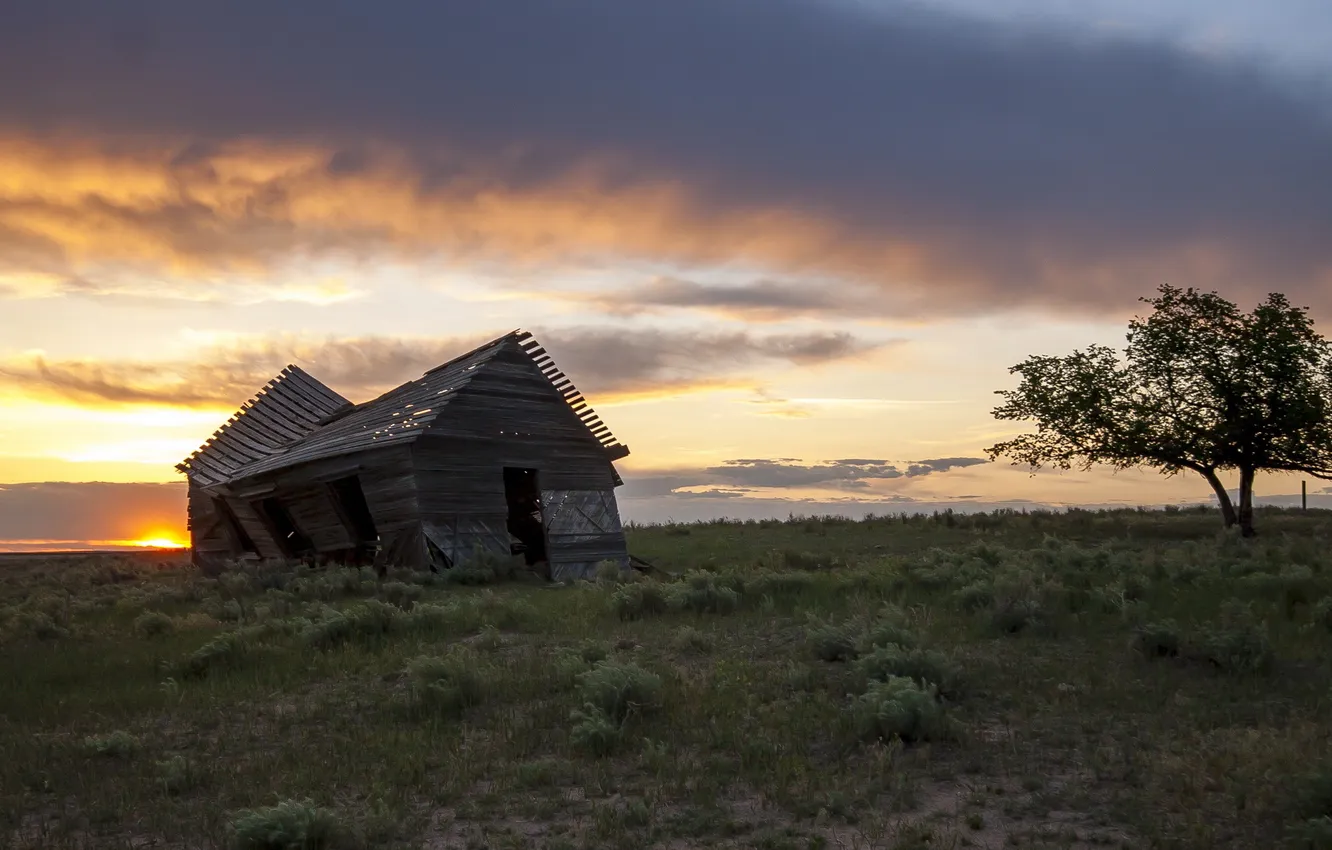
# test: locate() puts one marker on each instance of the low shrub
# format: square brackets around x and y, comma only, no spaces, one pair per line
[176,775]
[118,744]
[794,559]
[639,600]
[778,585]
[1157,640]
[835,642]
[399,593]
[42,626]
[483,567]
[976,596]
[612,573]
[224,652]
[618,689]
[153,624]
[1322,613]
[690,640]
[889,628]
[443,685]
[1242,648]
[289,825]
[900,708]
[366,621]
[594,732]
[1310,834]
[703,593]
[1011,616]
[924,667]
[441,618]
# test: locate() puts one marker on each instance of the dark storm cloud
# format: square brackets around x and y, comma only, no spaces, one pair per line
[1009,165]
[600,361]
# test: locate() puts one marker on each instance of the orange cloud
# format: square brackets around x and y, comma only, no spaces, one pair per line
[161,218]
[617,366]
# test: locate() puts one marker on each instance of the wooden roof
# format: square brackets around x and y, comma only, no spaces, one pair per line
[286,409]
[397,416]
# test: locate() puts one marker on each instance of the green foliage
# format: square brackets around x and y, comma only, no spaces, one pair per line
[1239,649]
[1322,613]
[618,689]
[594,732]
[363,622]
[1157,640]
[639,600]
[703,593]
[611,573]
[176,775]
[483,567]
[289,825]
[224,652]
[117,744]
[1238,643]
[690,640]
[889,628]
[835,642]
[153,624]
[976,596]
[42,625]
[400,593]
[1311,834]
[924,667]
[899,707]
[1202,387]
[443,685]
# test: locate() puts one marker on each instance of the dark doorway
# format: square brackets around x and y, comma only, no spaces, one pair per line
[239,536]
[523,495]
[286,535]
[349,499]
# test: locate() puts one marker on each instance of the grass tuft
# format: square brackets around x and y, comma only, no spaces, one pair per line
[903,709]
[118,745]
[617,689]
[151,624]
[289,825]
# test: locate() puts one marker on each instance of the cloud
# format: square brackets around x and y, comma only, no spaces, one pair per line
[942,464]
[769,404]
[759,300]
[750,476]
[959,165]
[608,364]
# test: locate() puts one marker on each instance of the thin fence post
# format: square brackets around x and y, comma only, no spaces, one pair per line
[1304,495]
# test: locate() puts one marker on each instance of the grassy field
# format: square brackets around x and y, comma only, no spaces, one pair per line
[1124,679]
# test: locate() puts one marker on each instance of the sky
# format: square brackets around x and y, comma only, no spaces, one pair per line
[788,249]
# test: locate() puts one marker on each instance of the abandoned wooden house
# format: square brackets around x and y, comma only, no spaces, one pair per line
[493,452]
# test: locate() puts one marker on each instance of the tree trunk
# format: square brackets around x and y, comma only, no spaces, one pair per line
[1246,502]
[1222,497]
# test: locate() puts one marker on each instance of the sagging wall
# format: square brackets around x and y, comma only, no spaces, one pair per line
[386,479]
[583,529]
[211,542]
[511,416]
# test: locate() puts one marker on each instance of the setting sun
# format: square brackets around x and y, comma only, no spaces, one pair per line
[160,540]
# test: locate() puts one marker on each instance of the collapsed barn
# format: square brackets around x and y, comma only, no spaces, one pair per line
[494,453]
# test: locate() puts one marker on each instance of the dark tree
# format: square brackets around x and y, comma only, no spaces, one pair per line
[1202,386]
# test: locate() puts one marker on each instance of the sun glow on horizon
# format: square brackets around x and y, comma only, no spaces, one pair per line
[159,540]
